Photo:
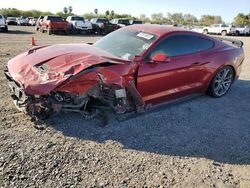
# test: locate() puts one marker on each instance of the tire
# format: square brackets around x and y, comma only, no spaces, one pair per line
[66,32]
[223,33]
[205,32]
[222,82]
[6,29]
[49,31]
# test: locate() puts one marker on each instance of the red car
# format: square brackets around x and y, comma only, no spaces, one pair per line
[53,24]
[127,71]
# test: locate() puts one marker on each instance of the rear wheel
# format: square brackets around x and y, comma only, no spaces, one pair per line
[224,33]
[222,82]
[49,31]
[6,29]
[66,32]
[205,31]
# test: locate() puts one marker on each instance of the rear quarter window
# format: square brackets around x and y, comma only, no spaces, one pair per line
[205,44]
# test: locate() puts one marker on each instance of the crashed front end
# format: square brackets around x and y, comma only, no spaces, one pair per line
[93,98]
[86,84]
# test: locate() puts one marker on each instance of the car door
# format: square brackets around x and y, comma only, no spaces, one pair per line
[182,75]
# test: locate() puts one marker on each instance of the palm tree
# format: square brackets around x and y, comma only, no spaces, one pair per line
[112,13]
[70,9]
[96,11]
[65,10]
[107,13]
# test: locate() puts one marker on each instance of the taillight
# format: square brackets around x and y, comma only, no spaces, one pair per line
[49,24]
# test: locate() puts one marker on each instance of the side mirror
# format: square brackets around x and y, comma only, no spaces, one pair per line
[160,58]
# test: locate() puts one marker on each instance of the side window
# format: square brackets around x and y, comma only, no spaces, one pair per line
[205,44]
[176,46]
[1,17]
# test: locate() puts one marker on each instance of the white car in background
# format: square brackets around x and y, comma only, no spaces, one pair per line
[78,24]
[22,21]
[121,22]
[3,24]
[242,30]
[198,29]
[221,29]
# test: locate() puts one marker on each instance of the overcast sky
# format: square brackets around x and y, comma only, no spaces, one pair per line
[228,9]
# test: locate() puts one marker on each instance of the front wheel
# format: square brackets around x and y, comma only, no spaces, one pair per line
[222,82]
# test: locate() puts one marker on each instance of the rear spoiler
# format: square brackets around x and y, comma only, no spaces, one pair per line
[234,42]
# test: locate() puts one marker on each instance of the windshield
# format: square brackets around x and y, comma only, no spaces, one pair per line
[11,18]
[77,18]
[55,18]
[137,22]
[102,21]
[125,22]
[125,43]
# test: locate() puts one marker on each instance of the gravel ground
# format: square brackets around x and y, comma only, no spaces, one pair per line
[203,142]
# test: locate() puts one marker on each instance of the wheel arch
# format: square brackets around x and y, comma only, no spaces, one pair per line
[215,73]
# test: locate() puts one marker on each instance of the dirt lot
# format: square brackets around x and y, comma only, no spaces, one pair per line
[204,142]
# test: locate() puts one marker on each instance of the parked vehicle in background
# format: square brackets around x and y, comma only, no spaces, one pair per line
[33,21]
[198,29]
[22,21]
[221,29]
[38,23]
[242,30]
[103,26]
[133,22]
[3,24]
[11,21]
[53,24]
[122,22]
[79,24]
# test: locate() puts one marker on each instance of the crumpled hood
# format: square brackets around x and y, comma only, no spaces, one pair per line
[42,69]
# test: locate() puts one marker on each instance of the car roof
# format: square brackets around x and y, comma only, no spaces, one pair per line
[159,30]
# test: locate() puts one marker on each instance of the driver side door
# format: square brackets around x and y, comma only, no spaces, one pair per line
[181,75]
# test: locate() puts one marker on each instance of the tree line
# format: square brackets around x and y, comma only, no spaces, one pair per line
[156,18]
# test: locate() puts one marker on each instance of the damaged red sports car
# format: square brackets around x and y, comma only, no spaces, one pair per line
[127,71]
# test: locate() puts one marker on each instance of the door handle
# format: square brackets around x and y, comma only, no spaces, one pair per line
[196,64]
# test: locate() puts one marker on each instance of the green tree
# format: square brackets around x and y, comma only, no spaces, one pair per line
[158,18]
[207,20]
[217,20]
[242,19]
[144,18]
[189,19]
